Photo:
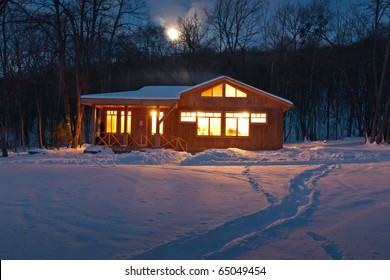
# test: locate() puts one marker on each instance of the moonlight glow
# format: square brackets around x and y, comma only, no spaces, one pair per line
[172,34]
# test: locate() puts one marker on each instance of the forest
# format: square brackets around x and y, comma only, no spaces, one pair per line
[329,57]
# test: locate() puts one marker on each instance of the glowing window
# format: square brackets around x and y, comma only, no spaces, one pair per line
[188,116]
[239,93]
[213,92]
[208,92]
[111,120]
[231,127]
[258,118]
[237,124]
[154,122]
[123,120]
[209,124]
[233,92]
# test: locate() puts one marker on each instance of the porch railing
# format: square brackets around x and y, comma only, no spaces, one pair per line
[142,140]
[176,143]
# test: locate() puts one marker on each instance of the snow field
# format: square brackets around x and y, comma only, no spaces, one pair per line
[308,201]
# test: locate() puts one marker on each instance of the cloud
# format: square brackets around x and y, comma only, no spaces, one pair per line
[166,12]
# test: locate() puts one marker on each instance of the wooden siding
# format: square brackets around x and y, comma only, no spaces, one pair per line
[267,136]
[261,136]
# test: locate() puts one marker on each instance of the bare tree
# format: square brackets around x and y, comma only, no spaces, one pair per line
[191,33]
[381,12]
[234,25]
[150,41]
[4,58]
[83,35]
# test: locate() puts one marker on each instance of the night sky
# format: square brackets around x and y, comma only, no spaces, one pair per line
[166,12]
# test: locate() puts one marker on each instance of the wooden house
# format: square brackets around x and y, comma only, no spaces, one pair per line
[220,113]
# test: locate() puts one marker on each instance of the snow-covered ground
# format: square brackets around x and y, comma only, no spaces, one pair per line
[307,201]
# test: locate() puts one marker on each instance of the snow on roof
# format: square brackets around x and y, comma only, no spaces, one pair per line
[148,92]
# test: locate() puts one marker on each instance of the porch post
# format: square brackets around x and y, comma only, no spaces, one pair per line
[125,136]
[157,138]
[93,134]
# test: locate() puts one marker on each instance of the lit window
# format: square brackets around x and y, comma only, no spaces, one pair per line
[213,92]
[258,118]
[231,127]
[111,120]
[209,124]
[208,92]
[237,124]
[188,116]
[233,92]
[239,93]
[128,129]
[154,122]
[230,91]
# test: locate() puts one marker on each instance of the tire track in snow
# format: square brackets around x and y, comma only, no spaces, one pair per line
[257,186]
[230,239]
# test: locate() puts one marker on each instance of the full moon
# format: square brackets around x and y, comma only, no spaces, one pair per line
[172,34]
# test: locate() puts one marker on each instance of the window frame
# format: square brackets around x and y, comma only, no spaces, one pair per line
[111,114]
[237,117]
[153,127]
[236,92]
[188,114]
[212,95]
[252,117]
[209,116]
[122,121]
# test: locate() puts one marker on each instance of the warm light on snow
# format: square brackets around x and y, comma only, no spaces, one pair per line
[172,33]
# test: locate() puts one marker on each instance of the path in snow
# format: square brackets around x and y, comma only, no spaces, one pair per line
[228,240]
[347,220]
[331,248]
[257,186]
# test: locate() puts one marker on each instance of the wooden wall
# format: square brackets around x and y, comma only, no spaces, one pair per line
[261,136]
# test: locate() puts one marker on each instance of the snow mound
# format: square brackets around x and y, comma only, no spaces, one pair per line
[229,156]
[152,157]
[319,152]
[348,151]
[98,149]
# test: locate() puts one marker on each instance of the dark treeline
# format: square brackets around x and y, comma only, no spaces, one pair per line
[328,57]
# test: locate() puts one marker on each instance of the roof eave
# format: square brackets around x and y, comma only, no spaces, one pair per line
[125,101]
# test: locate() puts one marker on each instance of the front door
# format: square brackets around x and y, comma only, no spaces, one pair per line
[141,129]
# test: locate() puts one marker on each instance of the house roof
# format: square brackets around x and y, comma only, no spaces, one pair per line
[169,95]
[149,95]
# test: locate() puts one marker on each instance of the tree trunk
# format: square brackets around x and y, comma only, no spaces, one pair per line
[384,122]
[4,145]
[4,65]
[376,133]
[61,44]
[80,75]
[68,117]
[79,119]
[22,129]
[388,133]
[39,116]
